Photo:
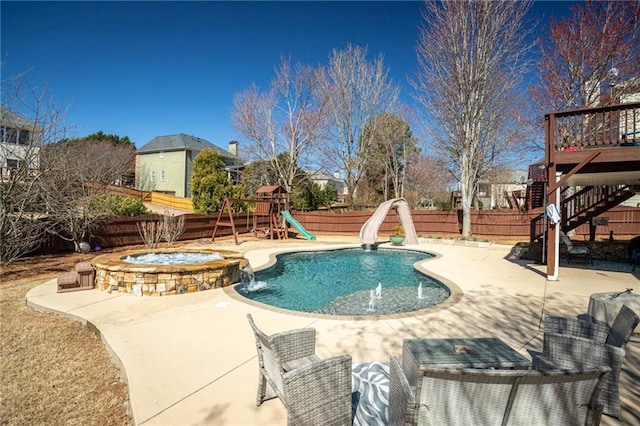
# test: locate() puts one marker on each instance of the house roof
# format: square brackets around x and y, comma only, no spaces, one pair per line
[321,175]
[9,118]
[182,142]
[267,189]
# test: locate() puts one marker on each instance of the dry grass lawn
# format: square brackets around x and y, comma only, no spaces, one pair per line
[53,369]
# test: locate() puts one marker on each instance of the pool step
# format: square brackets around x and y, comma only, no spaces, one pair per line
[81,279]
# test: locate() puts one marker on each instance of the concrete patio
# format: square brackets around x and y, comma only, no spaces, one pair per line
[191,359]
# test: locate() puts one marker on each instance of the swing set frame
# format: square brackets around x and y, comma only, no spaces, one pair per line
[269,202]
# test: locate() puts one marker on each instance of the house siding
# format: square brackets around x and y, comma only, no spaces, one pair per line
[174,154]
[20,141]
[172,164]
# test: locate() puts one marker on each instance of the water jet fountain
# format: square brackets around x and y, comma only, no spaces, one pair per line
[372,301]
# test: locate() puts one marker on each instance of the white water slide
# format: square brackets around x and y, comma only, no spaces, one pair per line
[369,231]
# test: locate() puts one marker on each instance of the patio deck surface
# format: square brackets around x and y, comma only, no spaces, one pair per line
[191,359]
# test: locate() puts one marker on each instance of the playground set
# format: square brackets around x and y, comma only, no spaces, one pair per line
[271,214]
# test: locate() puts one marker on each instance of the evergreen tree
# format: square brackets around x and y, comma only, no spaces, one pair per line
[209,183]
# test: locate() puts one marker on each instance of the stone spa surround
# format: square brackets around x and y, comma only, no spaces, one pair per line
[115,275]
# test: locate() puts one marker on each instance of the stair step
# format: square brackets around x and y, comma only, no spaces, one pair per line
[76,288]
[610,200]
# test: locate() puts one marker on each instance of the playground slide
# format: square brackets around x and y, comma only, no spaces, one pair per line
[287,216]
[369,231]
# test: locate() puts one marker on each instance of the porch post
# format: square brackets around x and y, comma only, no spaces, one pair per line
[552,195]
[553,242]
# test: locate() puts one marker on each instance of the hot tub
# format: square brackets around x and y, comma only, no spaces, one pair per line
[115,274]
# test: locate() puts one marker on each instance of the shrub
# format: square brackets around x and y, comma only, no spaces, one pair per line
[131,207]
[172,227]
[114,204]
[398,231]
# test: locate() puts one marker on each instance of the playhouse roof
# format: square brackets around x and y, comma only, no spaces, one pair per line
[272,189]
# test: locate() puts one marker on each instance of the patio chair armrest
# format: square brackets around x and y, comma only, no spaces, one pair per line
[590,319]
[540,363]
[401,397]
[294,344]
[319,393]
[570,352]
[597,332]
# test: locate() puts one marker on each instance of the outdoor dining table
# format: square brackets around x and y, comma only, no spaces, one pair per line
[605,306]
[479,352]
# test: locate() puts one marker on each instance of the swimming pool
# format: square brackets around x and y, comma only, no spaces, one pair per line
[346,282]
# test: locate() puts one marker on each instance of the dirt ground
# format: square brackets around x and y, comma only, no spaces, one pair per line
[53,370]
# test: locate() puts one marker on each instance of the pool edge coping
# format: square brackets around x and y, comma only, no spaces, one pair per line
[455,297]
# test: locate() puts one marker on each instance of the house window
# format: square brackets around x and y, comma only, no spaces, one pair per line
[153,176]
[9,135]
[162,175]
[23,137]
[14,167]
[161,154]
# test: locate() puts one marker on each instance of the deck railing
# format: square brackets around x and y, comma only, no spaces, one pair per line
[589,199]
[615,125]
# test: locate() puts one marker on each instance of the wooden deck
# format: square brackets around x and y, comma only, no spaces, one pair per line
[590,147]
[594,140]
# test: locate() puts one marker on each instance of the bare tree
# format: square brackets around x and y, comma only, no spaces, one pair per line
[358,90]
[427,182]
[76,174]
[288,118]
[590,58]
[470,62]
[29,120]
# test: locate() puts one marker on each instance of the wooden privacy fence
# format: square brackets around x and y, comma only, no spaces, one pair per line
[122,231]
[485,223]
[130,192]
[490,224]
[166,200]
[171,201]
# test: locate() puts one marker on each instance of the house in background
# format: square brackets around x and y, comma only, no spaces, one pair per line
[164,164]
[19,139]
[506,190]
[324,178]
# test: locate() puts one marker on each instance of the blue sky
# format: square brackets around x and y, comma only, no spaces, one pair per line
[146,69]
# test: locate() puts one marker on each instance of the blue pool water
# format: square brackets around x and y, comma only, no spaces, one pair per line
[340,282]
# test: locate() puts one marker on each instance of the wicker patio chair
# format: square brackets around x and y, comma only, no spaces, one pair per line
[314,391]
[491,397]
[576,251]
[571,343]
[616,334]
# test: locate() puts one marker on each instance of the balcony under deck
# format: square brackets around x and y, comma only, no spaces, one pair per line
[588,148]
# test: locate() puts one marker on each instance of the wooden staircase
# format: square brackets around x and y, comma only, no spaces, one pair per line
[535,195]
[590,202]
[584,205]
